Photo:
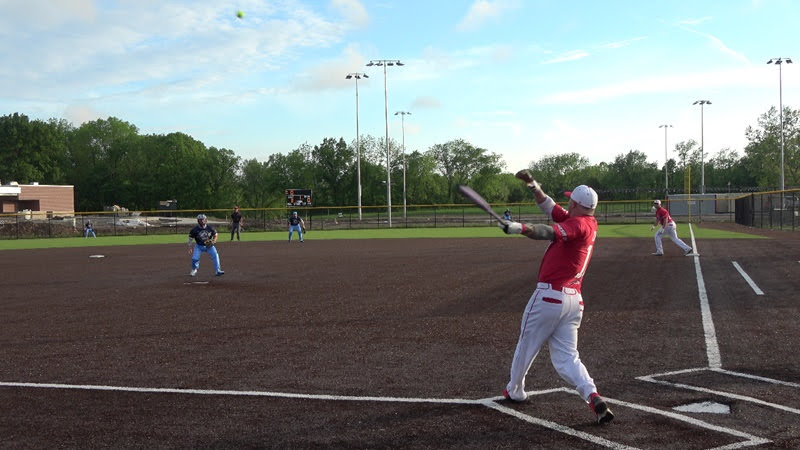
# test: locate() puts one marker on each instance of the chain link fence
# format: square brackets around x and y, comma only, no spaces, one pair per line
[774,210]
[121,223]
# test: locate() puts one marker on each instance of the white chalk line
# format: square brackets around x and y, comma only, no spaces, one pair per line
[759,378]
[721,394]
[712,348]
[750,439]
[747,278]
[556,427]
[490,402]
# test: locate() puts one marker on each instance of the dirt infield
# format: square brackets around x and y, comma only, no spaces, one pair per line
[391,343]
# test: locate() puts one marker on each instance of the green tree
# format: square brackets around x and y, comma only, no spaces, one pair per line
[223,169]
[458,162]
[100,164]
[333,169]
[559,173]
[33,150]
[764,148]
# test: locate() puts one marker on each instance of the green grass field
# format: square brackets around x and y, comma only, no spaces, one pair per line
[605,231]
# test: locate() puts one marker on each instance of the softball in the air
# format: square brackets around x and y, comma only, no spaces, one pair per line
[240,14]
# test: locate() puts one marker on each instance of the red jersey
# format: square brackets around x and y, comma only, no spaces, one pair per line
[566,259]
[663,216]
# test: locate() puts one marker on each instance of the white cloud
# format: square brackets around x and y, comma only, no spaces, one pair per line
[569,56]
[145,47]
[748,77]
[483,11]
[353,11]
[426,102]
[331,74]
[620,44]
[80,114]
[716,42]
[694,22]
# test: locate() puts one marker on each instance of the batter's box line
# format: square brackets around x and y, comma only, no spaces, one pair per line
[731,395]
[749,440]
[490,402]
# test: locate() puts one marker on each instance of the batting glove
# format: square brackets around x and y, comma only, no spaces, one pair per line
[509,227]
[652,227]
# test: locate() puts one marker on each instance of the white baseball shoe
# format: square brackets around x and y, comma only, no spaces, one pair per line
[193,273]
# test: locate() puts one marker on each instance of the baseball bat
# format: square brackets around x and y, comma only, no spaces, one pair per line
[479,201]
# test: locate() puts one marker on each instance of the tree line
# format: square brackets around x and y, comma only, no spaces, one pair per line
[109,162]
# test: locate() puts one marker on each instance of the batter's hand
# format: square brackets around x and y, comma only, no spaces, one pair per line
[510,227]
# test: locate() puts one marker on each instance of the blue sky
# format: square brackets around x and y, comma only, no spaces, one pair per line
[523,79]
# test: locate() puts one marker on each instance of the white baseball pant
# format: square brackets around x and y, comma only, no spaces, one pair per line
[671,231]
[552,316]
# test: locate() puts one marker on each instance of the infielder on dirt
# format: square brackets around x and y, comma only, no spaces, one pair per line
[204,237]
[668,227]
[555,309]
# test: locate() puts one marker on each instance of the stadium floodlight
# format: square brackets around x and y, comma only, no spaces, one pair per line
[702,147]
[357,76]
[384,63]
[403,123]
[666,158]
[779,62]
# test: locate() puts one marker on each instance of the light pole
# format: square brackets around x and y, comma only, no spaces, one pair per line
[357,76]
[779,62]
[702,147]
[385,63]
[666,174]
[403,122]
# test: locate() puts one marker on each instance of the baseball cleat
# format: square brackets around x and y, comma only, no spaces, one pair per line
[657,254]
[599,407]
[219,273]
[193,272]
[513,400]
[689,252]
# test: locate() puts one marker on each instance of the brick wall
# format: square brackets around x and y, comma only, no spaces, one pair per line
[59,199]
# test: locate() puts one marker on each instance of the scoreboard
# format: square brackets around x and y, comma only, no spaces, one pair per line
[299,197]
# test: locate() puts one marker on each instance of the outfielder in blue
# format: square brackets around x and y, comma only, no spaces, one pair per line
[199,235]
[88,228]
[296,224]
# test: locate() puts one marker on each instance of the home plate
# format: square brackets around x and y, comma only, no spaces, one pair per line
[195,282]
[97,256]
[704,407]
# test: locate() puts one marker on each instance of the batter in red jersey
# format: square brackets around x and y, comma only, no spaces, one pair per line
[666,226]
[555,310]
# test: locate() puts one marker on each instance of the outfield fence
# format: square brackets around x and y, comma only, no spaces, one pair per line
[774,210]
[712,207]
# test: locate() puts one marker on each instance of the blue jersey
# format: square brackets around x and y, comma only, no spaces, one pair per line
[294,220]
[202,234]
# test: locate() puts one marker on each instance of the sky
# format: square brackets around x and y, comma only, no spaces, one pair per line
[523,79]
